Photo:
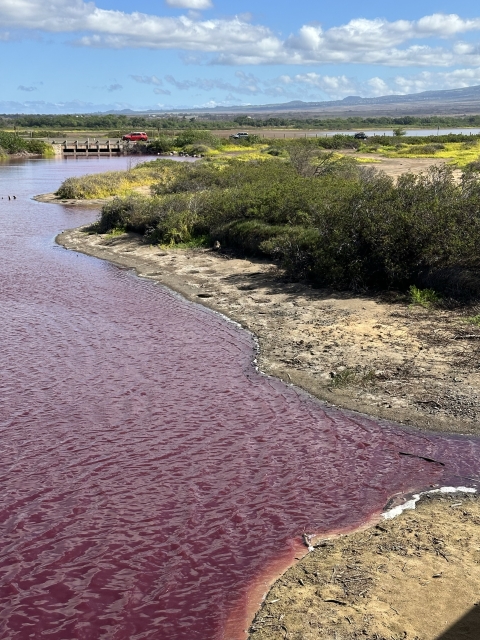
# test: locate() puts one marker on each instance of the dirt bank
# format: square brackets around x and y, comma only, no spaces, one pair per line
[381,357]
[416,577]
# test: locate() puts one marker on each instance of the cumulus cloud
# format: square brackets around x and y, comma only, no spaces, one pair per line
[22,87]
[237,40]
[114,87]
[190,4]
[338,87]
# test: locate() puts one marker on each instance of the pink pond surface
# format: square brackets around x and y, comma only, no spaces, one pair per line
[148,473]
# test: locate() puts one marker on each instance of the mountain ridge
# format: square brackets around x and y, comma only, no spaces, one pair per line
[467,98]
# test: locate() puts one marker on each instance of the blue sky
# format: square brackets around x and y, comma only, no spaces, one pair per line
[80,56]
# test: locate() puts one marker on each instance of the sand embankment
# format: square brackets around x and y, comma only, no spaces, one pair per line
[379,356]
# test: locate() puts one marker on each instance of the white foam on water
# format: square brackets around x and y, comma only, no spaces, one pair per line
[410,504]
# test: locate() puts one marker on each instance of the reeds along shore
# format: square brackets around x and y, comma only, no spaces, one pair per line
[322,216]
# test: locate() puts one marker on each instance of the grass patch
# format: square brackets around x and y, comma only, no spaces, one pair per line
[423,297]
[368,160]
[474,320]
[342,379]
[198,242]
[459,153]
[117,231]
[117,183]
[347,377]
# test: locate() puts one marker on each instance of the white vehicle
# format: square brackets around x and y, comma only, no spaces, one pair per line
[240,134]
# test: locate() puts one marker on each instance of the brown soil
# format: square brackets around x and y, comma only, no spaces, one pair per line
[412,578]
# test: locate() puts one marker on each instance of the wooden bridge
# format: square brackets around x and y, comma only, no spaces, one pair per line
[95,147]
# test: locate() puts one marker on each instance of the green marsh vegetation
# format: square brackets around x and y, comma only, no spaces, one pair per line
[10,143]
[322,216]
[119,183]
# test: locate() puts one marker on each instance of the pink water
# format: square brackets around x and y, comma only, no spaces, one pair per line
[148,473]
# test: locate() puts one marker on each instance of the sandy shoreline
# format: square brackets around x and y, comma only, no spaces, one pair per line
[415,577]
[380,357]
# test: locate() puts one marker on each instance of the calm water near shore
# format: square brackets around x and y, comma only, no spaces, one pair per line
[149,473]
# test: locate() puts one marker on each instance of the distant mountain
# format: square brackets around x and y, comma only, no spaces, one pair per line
[460,96]
[445,101]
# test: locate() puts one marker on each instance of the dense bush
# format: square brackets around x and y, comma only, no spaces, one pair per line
[198,137]
[11,143]
[348,229]
[162,144]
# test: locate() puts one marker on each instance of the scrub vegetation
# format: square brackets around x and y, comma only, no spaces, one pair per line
[461,150]
[119,183]
[322,216]
[10,144]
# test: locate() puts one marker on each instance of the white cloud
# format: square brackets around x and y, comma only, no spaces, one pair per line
[72,106]
[237,40]
[246,84]
[338,87]
[190,4]
[147,80]
[22,87]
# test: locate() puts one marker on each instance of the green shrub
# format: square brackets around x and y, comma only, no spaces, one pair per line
[423,297]
[163,144]
[276,151]
[346,226]
[196,149]
[246,141]
[12,143]
[191,137]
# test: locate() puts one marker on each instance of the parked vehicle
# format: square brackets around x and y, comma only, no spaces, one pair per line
[240,134]
[361,135]
[135,136]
